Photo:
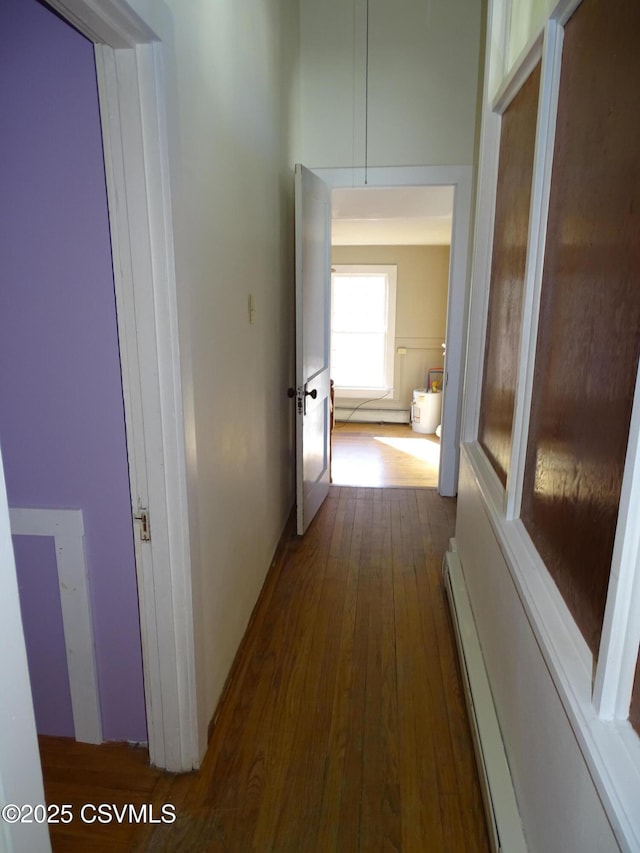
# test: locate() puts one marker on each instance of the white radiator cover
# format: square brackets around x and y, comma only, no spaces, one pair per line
[503,818]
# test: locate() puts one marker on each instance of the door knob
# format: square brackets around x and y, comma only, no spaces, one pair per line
[313,394]
[291,392]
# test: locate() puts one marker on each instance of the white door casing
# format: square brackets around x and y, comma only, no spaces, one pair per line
[460,178]
[129,63]
[313,344]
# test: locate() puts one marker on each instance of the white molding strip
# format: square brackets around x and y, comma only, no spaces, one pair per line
[67,529]
[563,9]
[481,263]
[618,653]
[538,215]
[393,176]
[503,817]
[420,343]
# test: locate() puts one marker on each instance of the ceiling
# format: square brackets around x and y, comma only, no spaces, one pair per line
[404,216]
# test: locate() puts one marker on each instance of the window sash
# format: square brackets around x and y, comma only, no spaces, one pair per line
[363,328]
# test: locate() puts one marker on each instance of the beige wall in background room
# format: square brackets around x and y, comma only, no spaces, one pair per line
[421,312]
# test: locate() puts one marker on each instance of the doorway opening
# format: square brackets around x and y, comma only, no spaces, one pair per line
[133,121]
[63,422]
[390,274]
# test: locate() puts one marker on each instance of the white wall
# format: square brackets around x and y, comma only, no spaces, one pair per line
[421,314]
[232,106]
[423,71]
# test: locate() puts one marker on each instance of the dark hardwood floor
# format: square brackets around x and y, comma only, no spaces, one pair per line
[344,727]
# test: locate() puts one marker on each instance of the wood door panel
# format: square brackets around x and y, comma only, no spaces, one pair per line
[515,172]
[589,331]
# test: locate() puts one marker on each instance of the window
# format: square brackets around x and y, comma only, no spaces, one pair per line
[363,314]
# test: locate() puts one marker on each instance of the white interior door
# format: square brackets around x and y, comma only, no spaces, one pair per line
[313,337]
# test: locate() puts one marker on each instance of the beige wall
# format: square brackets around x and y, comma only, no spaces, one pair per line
[421,311]
[423,72]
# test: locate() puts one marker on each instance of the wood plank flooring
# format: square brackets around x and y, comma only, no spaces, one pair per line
[383,455]
[344,727]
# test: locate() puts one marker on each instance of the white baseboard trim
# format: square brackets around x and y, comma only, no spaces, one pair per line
[503,818]
[66,526]
[372,416]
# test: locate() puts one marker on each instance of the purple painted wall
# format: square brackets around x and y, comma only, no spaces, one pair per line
[61,412]
[44,635]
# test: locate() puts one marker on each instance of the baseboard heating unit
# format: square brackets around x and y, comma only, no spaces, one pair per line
[372,416]
[503,818]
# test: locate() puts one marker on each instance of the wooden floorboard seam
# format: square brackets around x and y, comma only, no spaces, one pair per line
[343,728]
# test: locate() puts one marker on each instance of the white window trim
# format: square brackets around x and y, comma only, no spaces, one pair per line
[391,271]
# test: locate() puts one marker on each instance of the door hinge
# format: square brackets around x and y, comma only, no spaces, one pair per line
[145,527]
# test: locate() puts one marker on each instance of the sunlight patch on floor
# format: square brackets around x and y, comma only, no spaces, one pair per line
[388,456]
[357,472]
[424,450]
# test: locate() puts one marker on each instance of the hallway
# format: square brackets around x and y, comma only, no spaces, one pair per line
[344,727]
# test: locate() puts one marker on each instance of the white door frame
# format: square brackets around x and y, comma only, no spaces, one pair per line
[129,61]
[460,177]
